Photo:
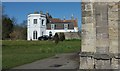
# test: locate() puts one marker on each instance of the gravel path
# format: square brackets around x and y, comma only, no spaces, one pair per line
[60,61]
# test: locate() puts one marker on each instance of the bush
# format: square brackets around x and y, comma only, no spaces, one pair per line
[62,36]
[56,38]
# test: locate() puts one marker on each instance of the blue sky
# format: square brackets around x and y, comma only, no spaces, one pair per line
[20,10]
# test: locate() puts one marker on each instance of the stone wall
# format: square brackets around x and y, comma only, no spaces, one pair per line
[72,35]
[100,35]
[88,28]
[113,27]
[98,61]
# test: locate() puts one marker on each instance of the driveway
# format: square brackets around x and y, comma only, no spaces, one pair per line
[60,61]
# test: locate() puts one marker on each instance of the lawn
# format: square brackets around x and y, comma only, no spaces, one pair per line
[20,52]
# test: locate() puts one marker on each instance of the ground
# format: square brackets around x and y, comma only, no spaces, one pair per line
[17,53]
[60,61]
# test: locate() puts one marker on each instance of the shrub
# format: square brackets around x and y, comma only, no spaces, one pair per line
[62,36]
[56,38]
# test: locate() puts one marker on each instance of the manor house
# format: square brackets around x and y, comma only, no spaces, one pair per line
[40,24]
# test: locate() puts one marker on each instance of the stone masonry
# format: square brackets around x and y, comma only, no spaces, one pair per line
[100,35]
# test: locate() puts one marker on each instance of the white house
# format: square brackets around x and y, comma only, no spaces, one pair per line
[43,24]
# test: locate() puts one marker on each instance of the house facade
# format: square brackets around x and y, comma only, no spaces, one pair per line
[43,24]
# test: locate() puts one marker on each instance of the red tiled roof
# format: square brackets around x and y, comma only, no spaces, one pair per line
[74,21]
[56,20]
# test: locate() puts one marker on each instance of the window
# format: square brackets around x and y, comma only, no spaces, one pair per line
[35,21]
[65,26]
[34,34]
[42,22]
[52,26]
[50,33]
[68,26]
[55,26]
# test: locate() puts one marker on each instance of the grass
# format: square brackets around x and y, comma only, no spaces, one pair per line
[20,52]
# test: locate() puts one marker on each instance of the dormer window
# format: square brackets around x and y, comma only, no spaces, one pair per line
[55,26]
[65,26]
[52,26]
[35,21]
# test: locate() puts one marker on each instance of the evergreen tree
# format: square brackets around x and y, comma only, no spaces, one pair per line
[62,36]
[7,27]
[56,38]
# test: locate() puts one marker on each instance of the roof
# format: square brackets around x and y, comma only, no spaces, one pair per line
[60,23]
[73,21]
[57,20]
[54,20]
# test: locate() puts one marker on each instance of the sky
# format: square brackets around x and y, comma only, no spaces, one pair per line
[20,10]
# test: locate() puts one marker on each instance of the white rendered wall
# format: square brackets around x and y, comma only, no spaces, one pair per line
[57,31]
[76,29]
[35,27]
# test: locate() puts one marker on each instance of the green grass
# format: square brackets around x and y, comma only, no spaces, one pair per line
[20,52]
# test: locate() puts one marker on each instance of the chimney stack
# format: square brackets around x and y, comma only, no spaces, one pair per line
[64,18]
[72,17]
[36,12]
[41,12]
